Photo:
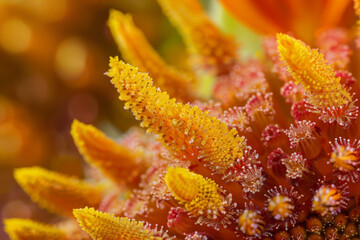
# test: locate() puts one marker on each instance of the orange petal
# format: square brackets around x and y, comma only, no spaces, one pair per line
[248,12]
[56,192]
[302,18]
[138,51]
[185,130]
[104,226]
[200,196]
[209,48]
[333,12]
[115,161]
[19,229]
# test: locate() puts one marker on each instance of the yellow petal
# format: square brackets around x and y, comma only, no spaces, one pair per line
[199,195]
[182,183]
[115,161]
[25,229]
[309,68]
[208,46]
[137,50]
[103,226]
[56,192]
[185,130]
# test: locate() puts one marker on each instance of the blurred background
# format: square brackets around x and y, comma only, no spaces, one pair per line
[53,55]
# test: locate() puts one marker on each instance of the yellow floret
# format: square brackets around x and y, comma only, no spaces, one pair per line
[25,229]
[56,192]
[280,207]
[327,200]
[136,49]
[185,130]
[199,196]
[251,223]
[115,161]
[309,68]
[344,158]
[103,226]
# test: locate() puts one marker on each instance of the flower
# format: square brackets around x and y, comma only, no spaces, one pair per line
[274,154]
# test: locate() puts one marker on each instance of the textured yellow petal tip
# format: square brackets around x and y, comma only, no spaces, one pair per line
[56,192]
[115,161]
[309,68]
[199,195]
[20,229]
[185,130]
[138,51]
[325,94]
[104,226]
[121,26]
[132,42]
[182,183]
[208,46]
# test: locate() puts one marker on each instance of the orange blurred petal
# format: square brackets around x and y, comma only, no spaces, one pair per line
[333,12]
[301,18]
[249,13]
[209,48]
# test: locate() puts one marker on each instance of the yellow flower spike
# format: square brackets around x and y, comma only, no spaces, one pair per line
[208,46]
[56,192]
[182,183]
[324,91]
[199,196]
[25,229]
[136,49]
[103,226]
[185,130]
[309,68]
[115,161]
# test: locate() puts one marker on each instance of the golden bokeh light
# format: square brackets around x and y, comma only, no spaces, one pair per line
[70,58]
[15,35]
